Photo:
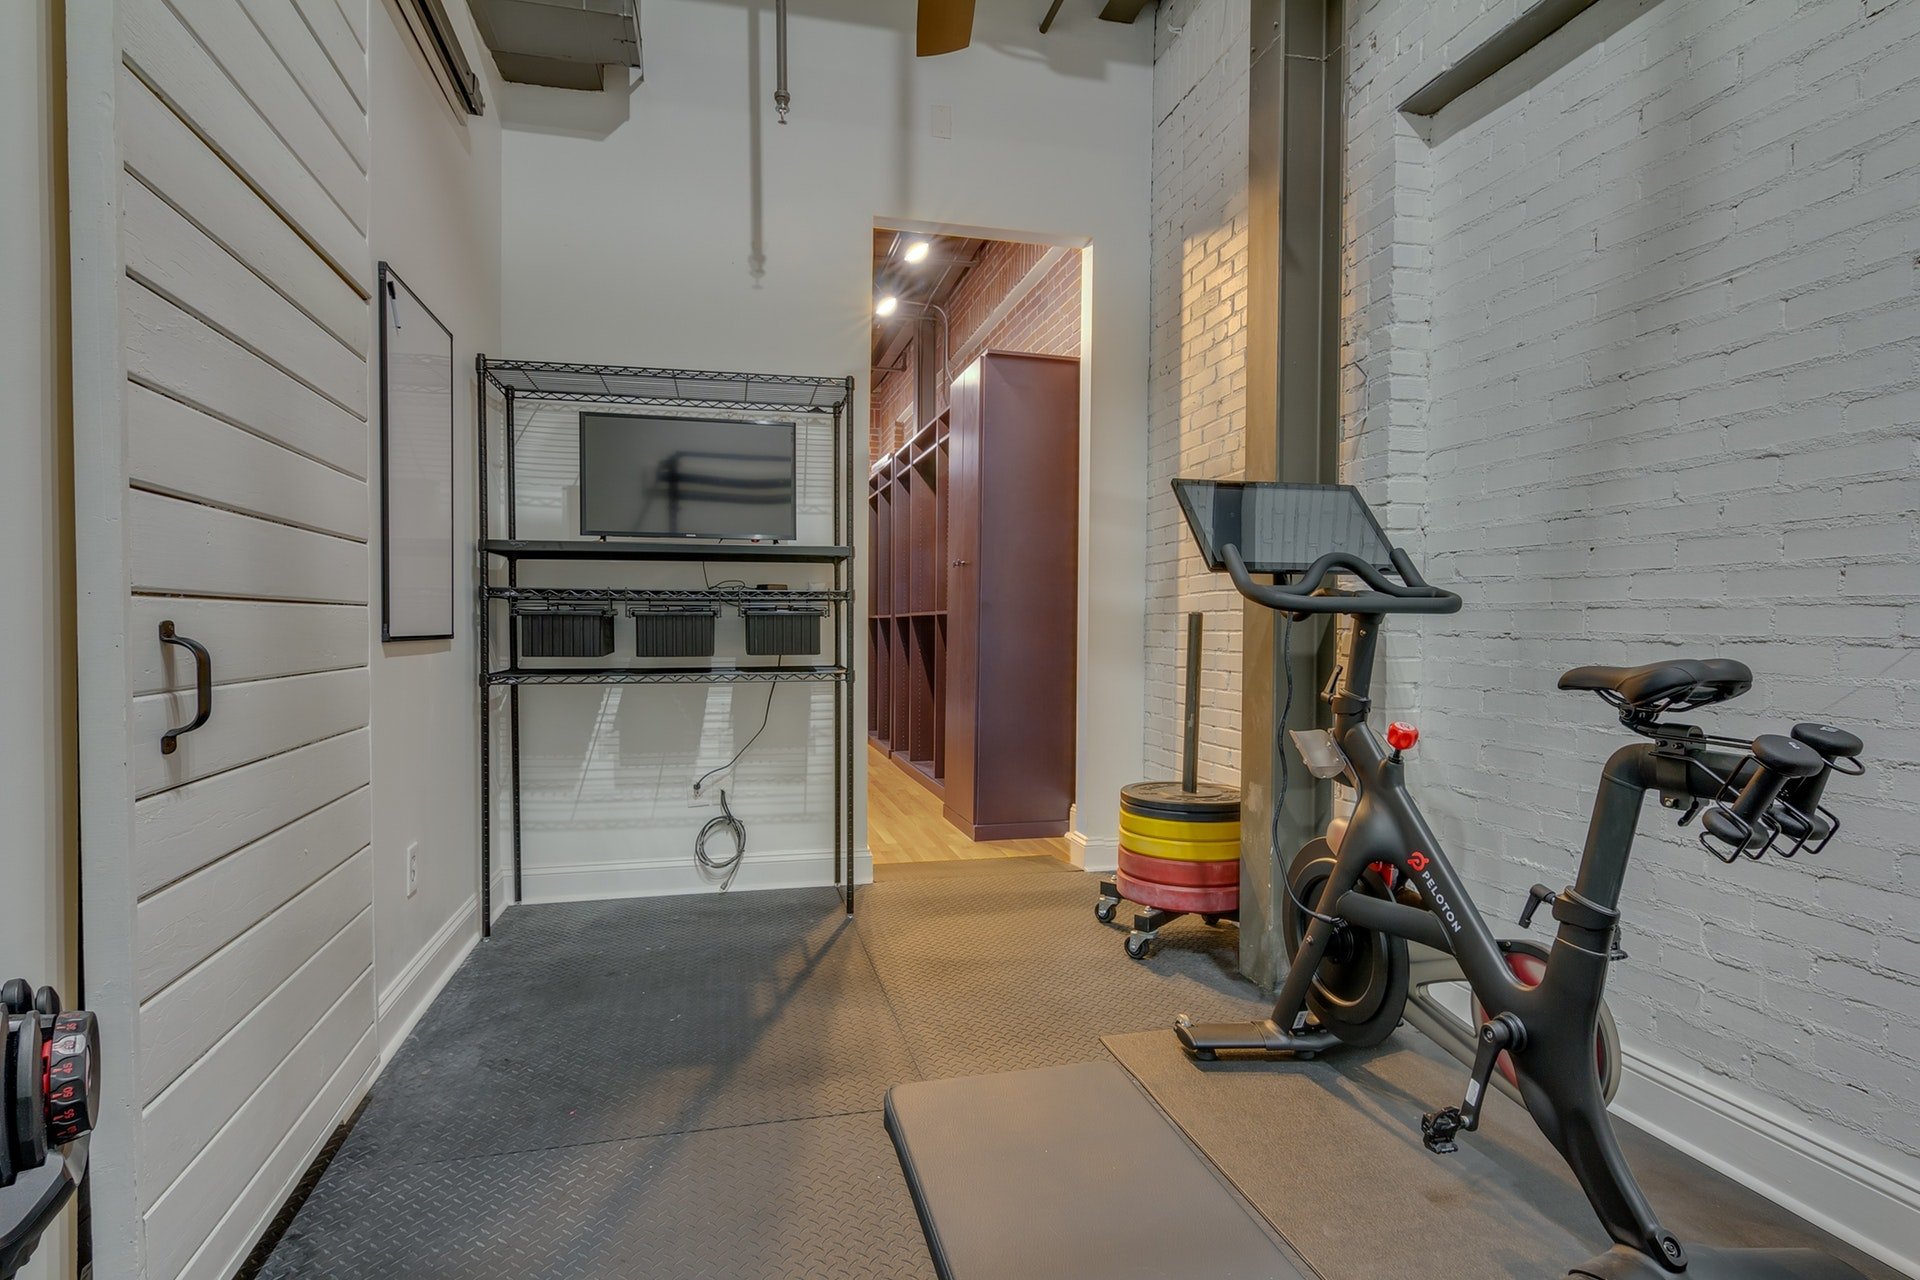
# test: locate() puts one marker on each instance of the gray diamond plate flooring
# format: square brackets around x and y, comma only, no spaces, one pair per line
[691,1086]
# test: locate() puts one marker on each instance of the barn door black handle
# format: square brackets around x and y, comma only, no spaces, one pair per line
[202,682]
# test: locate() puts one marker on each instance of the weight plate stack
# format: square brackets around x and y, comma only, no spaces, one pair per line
[1179,849]
[1207,802]
[1172,871]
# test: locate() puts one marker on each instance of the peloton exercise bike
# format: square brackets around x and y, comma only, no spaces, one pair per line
[1358,903]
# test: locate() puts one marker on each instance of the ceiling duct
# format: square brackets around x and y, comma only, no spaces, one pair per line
[561,44]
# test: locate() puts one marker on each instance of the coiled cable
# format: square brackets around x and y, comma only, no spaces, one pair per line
[723,865]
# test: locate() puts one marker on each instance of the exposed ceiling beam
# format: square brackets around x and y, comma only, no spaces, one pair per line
[1123,10]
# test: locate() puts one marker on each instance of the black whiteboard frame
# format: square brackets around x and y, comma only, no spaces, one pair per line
[389,282]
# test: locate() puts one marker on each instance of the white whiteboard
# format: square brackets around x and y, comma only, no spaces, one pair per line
[416,471]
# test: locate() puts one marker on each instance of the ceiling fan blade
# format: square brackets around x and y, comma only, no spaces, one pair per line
[942,27]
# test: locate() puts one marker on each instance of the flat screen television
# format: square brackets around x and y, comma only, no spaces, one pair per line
[655,476]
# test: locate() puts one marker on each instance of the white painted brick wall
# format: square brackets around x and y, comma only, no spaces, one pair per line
[1636,358]
[1634,362]
[1197,349]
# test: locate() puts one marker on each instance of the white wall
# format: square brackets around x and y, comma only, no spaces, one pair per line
[435,219]
[679,225]
[1675,410]
[1199,385]
[38,890]
[1631,359]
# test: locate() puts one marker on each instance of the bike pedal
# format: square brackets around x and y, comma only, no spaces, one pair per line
[1438,1129]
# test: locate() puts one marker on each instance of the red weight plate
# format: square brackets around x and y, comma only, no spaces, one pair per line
[1173,871]
[1174,897]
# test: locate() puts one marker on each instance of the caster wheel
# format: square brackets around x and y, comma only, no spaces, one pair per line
[1104,910]
[1139,945]
[1206,1055]
[1212,922]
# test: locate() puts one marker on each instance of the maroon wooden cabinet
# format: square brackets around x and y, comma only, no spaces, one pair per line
[1012,596]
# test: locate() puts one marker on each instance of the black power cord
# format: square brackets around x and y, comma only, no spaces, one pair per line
[725,819]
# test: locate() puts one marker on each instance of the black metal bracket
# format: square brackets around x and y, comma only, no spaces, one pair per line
[202,683]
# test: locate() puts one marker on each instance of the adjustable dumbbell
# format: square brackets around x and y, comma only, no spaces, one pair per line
[1745,825]
[49,1077]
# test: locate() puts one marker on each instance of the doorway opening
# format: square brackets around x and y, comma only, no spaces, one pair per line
[973,501]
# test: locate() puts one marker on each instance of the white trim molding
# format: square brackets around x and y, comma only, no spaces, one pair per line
[1836,1186]
[1093,853]
[589,881]
[419,984]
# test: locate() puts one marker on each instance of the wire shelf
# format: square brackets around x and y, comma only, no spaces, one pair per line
[530,599]
[818,404]
[669,388]
[666,675]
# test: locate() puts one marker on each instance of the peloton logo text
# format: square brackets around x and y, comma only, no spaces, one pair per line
[1419,862]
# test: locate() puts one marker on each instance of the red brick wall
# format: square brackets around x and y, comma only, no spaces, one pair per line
[1047,320]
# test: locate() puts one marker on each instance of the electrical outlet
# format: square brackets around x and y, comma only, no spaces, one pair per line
[942,121]
[413,867]
[708,796]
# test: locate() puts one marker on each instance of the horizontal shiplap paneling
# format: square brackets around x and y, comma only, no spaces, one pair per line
[195,1106]
[342,46]
[178,450]
[171,158]
[184,548]
[300,51]
[247,325]
[166,55]
[224,1248]
[191,919]
[174,258]
[225,31]
[175,352]
[236,1173]
[249,722]
[249,639]
[180,1024]
[177,832]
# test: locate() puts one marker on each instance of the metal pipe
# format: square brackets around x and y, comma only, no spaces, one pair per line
[782,100]
[1190,748]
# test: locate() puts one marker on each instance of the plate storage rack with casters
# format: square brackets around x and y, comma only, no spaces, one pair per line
[575,620]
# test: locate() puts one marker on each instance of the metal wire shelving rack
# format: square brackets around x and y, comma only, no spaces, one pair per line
[597,384]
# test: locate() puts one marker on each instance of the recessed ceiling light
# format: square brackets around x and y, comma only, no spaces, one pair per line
[886,306]
[917,251]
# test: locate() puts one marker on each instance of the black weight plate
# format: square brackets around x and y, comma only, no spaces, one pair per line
[1208,802]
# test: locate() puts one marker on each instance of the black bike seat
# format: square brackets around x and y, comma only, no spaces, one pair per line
[1662,686]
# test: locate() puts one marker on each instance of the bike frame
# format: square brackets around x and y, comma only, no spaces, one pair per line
[1558,1078]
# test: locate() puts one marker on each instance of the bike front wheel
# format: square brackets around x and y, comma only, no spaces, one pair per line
[1360,989]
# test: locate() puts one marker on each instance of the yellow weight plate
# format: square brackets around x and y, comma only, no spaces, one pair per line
[1181,850]
[1173,829]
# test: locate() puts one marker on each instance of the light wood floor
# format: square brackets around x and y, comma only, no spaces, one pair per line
[904,824]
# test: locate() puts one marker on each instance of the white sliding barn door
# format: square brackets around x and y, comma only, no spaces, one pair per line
[222,323]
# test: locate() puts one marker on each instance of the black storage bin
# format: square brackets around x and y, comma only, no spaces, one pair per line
[570,633]
[772,630]
[673,632]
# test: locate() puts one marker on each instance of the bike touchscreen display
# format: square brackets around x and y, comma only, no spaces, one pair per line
[1280,528]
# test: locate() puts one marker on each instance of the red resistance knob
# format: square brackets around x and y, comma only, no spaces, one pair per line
[1401,736]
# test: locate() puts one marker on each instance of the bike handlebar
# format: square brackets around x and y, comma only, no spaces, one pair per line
[1411,595]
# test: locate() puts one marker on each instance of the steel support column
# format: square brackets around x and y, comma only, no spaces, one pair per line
[1293,256]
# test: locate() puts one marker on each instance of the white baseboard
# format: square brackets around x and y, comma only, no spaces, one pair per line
[863,866]
[1839,1187]
[413,989]
[590,881]
[1094,853]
